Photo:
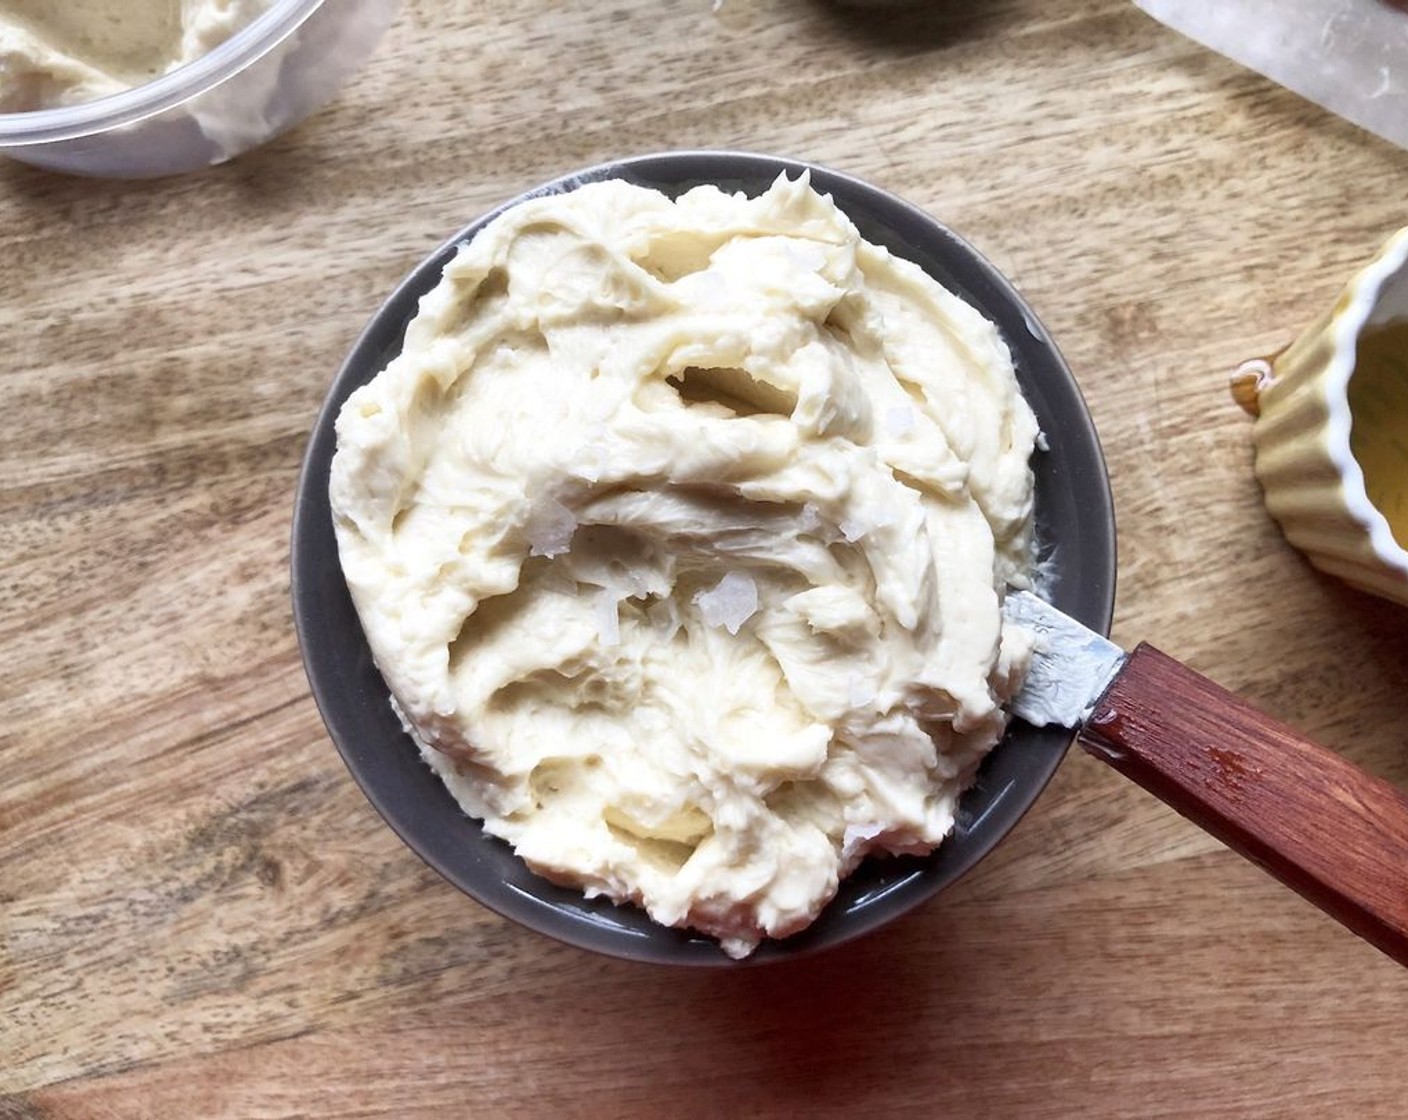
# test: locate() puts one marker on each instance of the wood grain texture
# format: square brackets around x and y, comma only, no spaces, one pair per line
[1330,831]
[199,913]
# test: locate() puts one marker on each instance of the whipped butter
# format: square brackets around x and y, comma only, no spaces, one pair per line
[678,530]
[63,52]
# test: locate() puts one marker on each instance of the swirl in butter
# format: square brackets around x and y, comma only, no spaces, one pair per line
[678,530]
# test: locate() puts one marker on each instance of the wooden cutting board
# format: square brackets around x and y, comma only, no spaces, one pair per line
[199,913]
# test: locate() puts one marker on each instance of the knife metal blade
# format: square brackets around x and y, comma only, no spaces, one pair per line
[1071,664]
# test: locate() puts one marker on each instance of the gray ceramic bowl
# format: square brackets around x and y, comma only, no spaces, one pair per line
[1075,524]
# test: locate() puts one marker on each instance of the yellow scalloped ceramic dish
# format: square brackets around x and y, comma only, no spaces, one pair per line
[1331,436]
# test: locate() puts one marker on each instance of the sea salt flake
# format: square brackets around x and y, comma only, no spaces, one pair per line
[867,519]
[856,835]
[550,528]
[608,617]
[861,693]
[707,286]
[806,257]
[899,421]
[731,603]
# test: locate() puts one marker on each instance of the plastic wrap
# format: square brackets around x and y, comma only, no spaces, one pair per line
[1351,56]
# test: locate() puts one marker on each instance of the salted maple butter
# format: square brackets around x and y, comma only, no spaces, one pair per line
[63,52]
[678,530]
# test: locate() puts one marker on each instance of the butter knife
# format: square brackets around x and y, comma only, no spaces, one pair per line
[1322,826]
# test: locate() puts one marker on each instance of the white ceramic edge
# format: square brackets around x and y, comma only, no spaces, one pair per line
[1345,327]
[132,106]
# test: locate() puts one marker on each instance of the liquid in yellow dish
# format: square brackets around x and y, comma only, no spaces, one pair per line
[1378,404]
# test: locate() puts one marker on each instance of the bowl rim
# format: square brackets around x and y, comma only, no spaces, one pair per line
[164,92]
[1351,316]
[666,945]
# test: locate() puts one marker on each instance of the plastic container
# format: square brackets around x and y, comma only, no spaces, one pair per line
[258,83]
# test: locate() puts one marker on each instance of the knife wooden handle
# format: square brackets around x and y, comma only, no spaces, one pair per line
[1324,827]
